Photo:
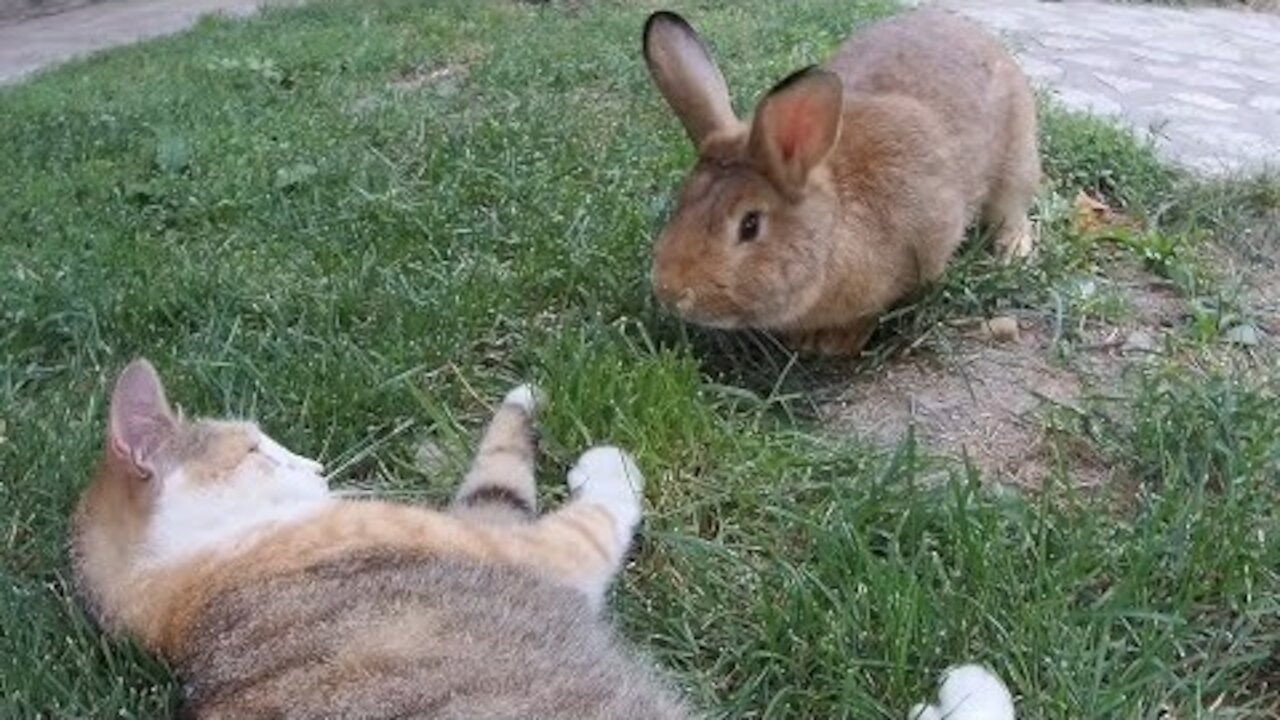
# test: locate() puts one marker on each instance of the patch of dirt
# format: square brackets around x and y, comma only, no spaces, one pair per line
[1259,276]
[425,77]
[985,400]
[421,76]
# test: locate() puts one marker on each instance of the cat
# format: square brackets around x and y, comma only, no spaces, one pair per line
[225,553]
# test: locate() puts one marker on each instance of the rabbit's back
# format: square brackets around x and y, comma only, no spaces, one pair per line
[944,61]
[962,77]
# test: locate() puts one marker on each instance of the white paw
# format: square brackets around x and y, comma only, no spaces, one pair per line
[1016,243]
[523,397]
[968,692]
[924,712]
[608,476]
[605,465]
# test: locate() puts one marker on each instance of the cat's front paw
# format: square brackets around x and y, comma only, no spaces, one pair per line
[607,475]
[524,397]
[968,692]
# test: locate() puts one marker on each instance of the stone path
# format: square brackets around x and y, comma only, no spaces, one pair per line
[28,45]
[1205,82]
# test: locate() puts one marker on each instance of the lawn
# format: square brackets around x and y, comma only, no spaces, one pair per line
[360,222]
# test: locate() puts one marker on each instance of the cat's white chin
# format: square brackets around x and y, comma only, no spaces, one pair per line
[192,518]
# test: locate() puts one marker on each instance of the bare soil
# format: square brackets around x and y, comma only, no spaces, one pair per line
[977,398]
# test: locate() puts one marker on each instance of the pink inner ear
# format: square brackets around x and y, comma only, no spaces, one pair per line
[137,437]
[140,418]
[117,446]
[797,126]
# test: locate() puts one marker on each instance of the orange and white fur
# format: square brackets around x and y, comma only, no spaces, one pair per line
[187,520]
[226,553]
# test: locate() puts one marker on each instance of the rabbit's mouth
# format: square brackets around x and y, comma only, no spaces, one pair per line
[712,310]
[715,323]
[687,307]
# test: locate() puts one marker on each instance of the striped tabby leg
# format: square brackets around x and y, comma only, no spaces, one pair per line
[499,488]
[584,542]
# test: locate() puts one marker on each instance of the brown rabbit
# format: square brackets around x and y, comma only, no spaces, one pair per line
[851,186]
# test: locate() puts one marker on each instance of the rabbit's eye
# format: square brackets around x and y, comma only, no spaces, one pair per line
[749,228]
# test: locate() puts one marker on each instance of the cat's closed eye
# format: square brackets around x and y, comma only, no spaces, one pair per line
[258,451]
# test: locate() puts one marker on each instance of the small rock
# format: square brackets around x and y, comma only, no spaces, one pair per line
[430,455]
[1139,341]
[1002,329]
[1242,334]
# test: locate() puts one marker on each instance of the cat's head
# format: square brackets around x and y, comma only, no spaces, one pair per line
[168,487]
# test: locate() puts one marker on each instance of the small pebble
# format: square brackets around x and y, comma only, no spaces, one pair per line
[1002,329]
[1139,341]
[1242,334]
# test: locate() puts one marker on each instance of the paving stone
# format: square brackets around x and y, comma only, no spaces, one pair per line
[1205,80]
[1211,48]
[1122,84]
[1266,75]
[1228,139]
[1085,100]
[1058,42]
[1204,100]
[1093,60]
[1266,103]
[1039,69]
[1194,77]
[29,45]
[1183,111]
[1267,33]
[1147,53]
[1076,31]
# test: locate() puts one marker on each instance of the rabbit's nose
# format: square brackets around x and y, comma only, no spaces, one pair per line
[671,294]
[663,288]
[686,300]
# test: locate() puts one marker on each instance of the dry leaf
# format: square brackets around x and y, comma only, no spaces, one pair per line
[1093,215]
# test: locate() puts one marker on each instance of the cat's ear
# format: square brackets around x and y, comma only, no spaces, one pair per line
[141,420]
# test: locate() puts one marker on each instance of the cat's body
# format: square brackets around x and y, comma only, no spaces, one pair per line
[390,634]
[226,554]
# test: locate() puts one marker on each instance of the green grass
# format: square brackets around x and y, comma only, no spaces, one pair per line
[295,224]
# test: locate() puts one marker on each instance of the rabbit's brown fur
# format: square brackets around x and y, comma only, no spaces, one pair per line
[862,177]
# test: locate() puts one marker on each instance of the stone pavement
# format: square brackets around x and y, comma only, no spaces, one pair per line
[1204,82]
[28,45]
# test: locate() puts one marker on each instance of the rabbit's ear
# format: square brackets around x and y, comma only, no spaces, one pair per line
[796,125]
[686,75]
